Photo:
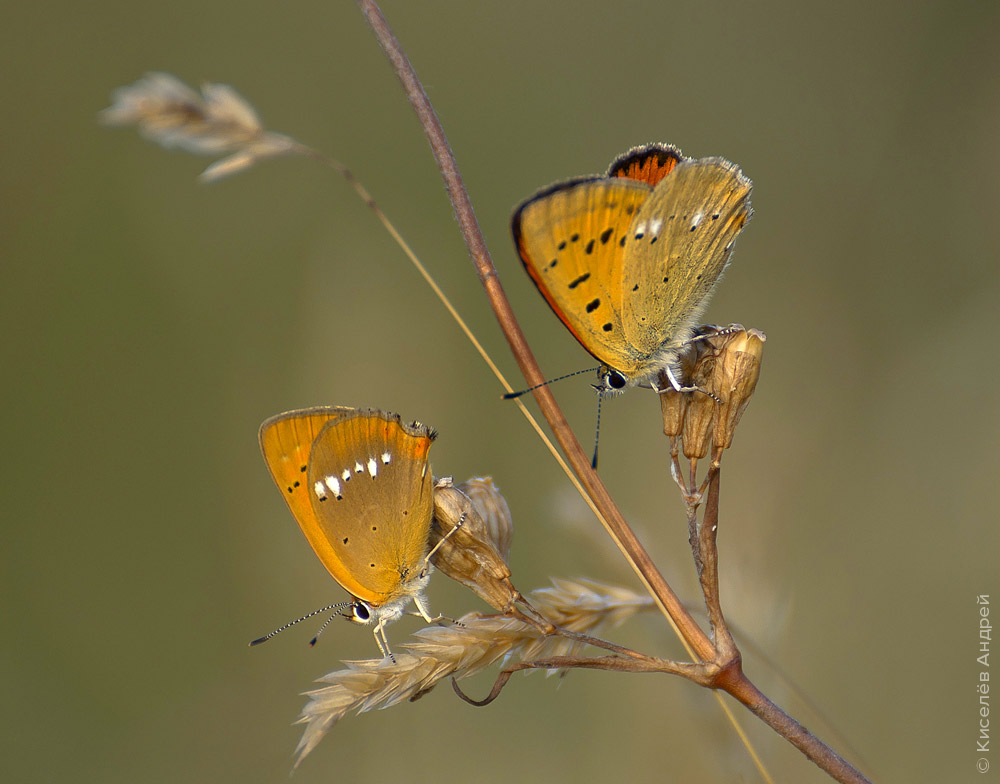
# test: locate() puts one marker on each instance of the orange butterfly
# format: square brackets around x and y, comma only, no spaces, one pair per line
[628,261]
[360,487]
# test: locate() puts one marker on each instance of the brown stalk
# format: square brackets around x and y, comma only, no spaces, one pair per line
[693,672]
[580,462]
[723,660]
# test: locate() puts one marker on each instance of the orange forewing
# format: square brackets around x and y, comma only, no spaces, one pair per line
[286,441]
[570,238]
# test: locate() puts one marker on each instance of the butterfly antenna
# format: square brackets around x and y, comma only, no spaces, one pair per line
[597,430]
[441,541]
[512,395]
[322,629]
[288,625]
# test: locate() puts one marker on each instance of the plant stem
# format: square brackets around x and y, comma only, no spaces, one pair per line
[619,529]
[731,677]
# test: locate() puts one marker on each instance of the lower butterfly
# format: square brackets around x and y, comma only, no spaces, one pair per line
[628,261]
[359,485]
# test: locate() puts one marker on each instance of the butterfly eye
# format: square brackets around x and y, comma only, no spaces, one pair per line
[615,380]
[360,612]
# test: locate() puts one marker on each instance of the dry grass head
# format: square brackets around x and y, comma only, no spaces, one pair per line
[465,649]
[215,122]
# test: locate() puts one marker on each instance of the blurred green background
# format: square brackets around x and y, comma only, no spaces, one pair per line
[150,324]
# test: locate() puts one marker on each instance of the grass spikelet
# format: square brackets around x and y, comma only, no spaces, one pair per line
[216,122]
[462,650]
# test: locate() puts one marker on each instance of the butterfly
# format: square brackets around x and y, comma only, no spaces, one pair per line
[360,487]
[628,261]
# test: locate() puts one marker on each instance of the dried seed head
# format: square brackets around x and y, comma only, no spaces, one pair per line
[734,380]
[691,363]
[696,429]
[493,508]
[216,122]
[475,554]
[724,363]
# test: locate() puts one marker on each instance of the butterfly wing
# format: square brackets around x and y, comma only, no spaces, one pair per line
[286,441]
[677,249]
[371,490]
[648,164]
[570,240]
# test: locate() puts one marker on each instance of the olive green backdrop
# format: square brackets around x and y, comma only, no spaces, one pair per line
[150,324]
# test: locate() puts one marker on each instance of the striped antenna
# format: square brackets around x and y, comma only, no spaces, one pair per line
[512,395]
[288,625]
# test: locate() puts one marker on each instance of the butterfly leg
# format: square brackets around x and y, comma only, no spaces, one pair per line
[438,619]
[675,385]
[382,641]
[418,601]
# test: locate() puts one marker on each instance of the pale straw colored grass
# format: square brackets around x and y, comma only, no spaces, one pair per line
[465,649]
[218,121]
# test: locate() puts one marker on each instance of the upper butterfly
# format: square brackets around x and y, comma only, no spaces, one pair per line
[628,261]
[360,487]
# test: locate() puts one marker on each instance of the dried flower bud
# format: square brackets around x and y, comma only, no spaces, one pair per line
[699,414]
[494,510]
[471,555]
[724,364]
[734,379]
[673,406]
[690,364]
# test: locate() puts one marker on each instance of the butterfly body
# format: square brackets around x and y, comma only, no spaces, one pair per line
[628,261]
[359,484]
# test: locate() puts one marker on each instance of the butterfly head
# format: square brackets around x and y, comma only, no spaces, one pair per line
[393,608]
[361,612]
[611,381]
